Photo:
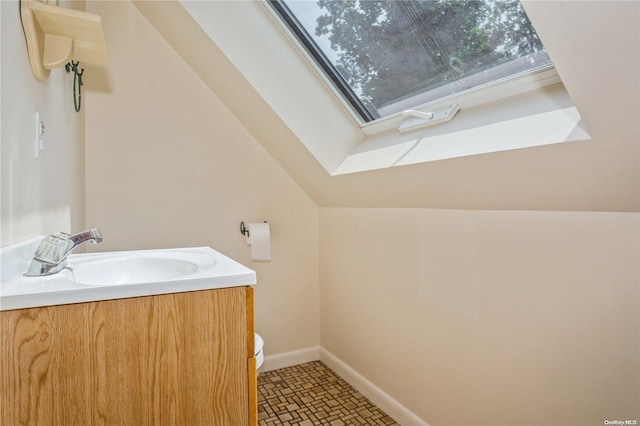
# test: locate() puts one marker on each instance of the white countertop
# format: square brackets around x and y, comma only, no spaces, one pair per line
[213,270]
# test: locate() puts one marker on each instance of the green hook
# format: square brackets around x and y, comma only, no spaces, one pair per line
[77,82]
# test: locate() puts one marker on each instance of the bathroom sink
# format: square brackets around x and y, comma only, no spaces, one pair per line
[135,268]
[115,275]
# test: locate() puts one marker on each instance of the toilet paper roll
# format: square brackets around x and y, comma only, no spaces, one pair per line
[259,238]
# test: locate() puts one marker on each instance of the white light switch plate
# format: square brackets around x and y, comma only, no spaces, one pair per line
[39,135]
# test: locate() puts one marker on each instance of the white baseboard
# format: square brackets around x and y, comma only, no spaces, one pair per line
[287,359]
[397,411]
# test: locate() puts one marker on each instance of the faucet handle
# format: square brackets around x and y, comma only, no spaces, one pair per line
[53,248]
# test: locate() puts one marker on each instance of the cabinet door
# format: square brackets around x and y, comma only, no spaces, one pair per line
[44,367]
[176,359]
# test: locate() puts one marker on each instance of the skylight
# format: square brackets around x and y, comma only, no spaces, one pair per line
[392,57]
[528,110]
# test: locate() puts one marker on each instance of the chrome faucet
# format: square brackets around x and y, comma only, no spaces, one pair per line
[51,255]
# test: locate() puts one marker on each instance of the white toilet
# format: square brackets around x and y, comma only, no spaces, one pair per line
[259,343]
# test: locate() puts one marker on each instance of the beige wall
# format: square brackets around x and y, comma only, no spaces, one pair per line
[38,196]
[487,317]
[167,165]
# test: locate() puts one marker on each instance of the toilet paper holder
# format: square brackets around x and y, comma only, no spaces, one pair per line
[244,231]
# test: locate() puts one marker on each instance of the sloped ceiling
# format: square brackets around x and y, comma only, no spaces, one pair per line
[595,46]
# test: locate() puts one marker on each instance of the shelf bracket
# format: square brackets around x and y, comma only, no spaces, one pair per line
[57,51]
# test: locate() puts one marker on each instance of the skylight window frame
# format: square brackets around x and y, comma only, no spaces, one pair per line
[313,61]
[537,78]
[318,59]
[523,82]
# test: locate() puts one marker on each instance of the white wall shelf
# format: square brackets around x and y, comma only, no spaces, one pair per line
[56,35]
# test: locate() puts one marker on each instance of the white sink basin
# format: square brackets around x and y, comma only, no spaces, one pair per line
[135,268]
[115,275]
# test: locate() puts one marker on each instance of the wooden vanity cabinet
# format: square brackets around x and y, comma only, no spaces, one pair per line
[174,359]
